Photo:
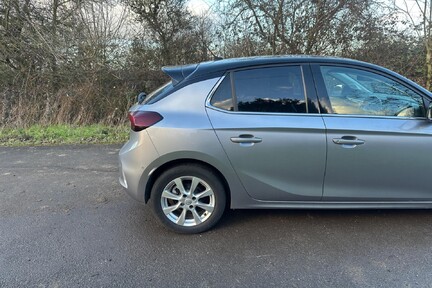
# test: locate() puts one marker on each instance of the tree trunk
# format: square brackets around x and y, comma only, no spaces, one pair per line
[428,64]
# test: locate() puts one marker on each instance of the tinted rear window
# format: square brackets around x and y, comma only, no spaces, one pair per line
[270,89]
[275,89]
[159,93]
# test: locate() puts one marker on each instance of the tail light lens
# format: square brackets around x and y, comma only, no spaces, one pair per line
[140,120]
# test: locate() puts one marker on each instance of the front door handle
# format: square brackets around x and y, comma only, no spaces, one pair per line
[348,141]
[246,138]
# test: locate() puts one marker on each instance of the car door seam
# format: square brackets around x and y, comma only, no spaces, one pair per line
[326,157]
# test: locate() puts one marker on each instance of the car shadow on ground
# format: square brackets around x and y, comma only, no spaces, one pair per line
[308,220]
[372,217]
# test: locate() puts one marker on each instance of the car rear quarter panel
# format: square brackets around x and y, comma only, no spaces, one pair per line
[186,133]
[133,156]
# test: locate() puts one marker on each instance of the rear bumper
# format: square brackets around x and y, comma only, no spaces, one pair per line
[134,157]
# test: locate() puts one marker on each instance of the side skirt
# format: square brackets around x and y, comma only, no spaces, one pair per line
[335,205]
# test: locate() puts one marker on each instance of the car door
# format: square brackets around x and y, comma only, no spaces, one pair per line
[268,123]
[379,140]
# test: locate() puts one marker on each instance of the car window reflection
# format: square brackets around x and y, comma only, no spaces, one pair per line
[354,91]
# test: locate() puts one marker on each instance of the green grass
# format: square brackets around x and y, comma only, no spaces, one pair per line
[63,134]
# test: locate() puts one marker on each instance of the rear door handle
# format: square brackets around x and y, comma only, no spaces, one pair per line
[348,141]
[246,138]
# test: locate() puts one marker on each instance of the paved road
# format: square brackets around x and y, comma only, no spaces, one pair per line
[65,222]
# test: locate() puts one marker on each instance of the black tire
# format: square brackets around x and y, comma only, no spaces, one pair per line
[188,174]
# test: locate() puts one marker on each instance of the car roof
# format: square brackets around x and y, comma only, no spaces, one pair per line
[178,73]
[237,63]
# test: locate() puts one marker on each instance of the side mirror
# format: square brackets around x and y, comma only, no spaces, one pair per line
[141,96]
[429,112]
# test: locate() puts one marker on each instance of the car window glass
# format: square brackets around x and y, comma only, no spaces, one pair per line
[158,93]
[359,92]
[222,98]
[274,89]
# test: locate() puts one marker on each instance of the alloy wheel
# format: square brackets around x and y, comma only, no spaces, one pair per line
[188,201]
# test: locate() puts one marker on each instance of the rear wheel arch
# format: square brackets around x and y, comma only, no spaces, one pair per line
[168,165]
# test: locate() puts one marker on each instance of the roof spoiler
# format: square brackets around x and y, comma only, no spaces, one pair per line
[179,73]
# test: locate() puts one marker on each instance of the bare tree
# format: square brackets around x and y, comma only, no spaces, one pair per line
[306,27]
[422,26]
[82,61]
[58,57]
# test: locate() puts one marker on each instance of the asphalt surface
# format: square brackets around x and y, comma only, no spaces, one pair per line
[66,222]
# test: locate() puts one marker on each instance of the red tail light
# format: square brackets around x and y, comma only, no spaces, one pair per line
[140,120]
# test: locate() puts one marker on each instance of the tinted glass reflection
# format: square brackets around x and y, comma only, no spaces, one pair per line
[274,89]
[222,98]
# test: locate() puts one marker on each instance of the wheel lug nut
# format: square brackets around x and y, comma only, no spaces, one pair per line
[191,206]
[193,198]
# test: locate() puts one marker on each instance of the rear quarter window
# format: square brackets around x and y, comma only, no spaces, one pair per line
[222,98]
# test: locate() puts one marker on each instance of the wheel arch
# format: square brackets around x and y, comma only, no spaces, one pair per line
[164,167]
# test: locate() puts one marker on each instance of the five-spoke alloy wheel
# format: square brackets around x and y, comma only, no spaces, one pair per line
[188,198]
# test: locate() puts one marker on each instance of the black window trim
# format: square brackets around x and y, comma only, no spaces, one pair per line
[309,92]
[324,100]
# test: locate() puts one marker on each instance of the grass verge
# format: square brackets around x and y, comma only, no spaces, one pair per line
[63,134]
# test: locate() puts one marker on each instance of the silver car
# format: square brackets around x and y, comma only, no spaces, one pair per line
[278,132]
